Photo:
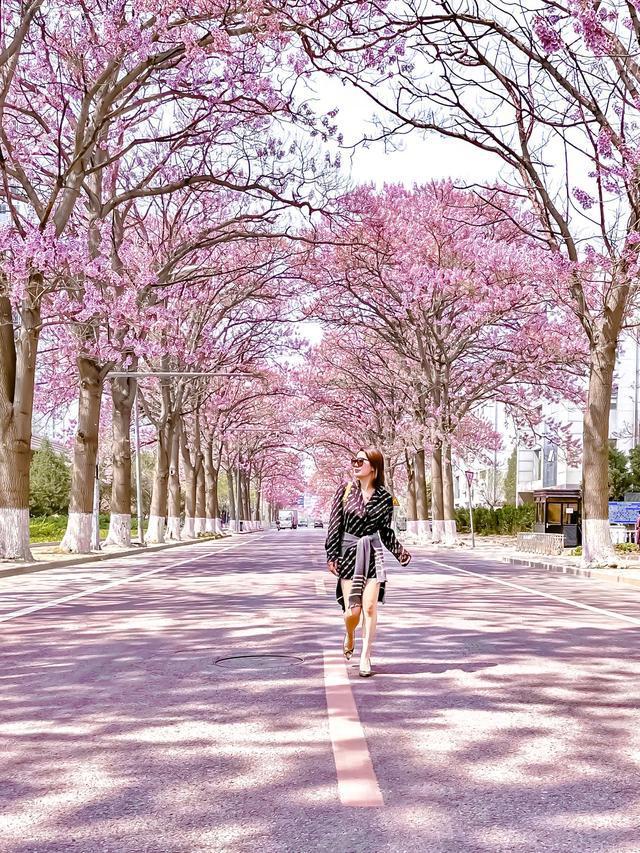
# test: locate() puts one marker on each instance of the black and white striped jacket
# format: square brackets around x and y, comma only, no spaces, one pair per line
[360,519]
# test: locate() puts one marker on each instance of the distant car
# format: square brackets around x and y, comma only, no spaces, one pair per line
[318,523]
[303,523]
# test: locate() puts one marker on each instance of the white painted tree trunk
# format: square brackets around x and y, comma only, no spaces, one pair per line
[424,530]
[155,530]
[189,527]
[437,530]
[596,541]
[450,532]
[77,539]
[217,526]
[173,528]
[412,527]
[119,535]
[210,525]
[200,525]
[14,534]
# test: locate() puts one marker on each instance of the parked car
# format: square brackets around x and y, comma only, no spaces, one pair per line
[318,523]
[303,522]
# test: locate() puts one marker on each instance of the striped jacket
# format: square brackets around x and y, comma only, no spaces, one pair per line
[360,519]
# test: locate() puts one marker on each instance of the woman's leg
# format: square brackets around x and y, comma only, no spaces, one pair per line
[370,614]
[351,616]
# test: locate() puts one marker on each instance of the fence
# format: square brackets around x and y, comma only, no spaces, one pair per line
[541,543]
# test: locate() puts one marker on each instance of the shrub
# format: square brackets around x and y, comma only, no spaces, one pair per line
[506,520]
[626,548]
[50,482]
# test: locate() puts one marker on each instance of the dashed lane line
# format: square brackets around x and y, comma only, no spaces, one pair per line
[357,782]
[600,610]
[321,588]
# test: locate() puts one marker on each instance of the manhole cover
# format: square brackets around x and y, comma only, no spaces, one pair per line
[259,661]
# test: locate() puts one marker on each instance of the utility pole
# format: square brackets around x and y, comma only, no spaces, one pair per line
[136,432]
[95,545]
[495,455]
[238,495]
[469,475]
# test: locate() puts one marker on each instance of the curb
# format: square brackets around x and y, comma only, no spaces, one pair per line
[573,571]
[98,556]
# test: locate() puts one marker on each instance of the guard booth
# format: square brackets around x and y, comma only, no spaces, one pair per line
[559,511]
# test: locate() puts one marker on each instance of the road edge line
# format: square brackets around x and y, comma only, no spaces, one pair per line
[600,610]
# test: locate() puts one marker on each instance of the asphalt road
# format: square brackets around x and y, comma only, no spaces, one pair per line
[503,715]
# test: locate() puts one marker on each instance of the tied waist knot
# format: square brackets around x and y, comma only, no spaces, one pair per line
[363,544]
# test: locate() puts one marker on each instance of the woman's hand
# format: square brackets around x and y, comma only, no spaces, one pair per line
[332,566]
[405,559]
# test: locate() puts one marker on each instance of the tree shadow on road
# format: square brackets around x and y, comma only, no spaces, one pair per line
[494,723]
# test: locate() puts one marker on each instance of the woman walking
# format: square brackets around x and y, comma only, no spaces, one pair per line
[359,525]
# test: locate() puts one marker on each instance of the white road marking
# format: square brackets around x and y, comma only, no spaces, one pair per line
[321,588]
[610,613]
[357,781]
[118,582]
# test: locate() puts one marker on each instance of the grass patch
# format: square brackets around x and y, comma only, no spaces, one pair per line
[51,528]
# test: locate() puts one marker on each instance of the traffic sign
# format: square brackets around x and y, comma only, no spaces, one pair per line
[470,475]
[301,500]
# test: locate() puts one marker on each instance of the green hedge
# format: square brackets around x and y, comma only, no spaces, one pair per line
[507,520]
[51,528]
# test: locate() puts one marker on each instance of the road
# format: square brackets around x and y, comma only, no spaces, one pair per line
[503,715]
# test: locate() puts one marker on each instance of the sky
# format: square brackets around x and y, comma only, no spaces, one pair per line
[418,159]
[415,159]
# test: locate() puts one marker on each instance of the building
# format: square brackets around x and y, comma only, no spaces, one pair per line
[36,444]
[542,464]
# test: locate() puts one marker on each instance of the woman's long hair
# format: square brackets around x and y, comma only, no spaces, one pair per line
[377,463]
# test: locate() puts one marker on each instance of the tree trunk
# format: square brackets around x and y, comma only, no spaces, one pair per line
[412,513]
[77,539]
[159,495]
[190,488]
[173,519]
[232,497]
[422,507]
[596,535]
[18,354]
[437,496]
[123,392]
[257,515]
[211,488]
[201,502]
[246,497]
[450,532]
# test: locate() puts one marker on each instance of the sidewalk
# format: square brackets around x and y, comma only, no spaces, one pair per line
[503,549]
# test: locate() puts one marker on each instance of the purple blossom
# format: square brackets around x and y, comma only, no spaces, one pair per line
[549,38]
[583,198]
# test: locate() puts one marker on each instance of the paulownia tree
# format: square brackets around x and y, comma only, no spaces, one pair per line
[550,91]
[84,94]
[457,291]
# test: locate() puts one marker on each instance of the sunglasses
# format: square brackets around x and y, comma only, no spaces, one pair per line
[358,463]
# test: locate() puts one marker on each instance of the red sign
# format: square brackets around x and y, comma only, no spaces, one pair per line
[470,476]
